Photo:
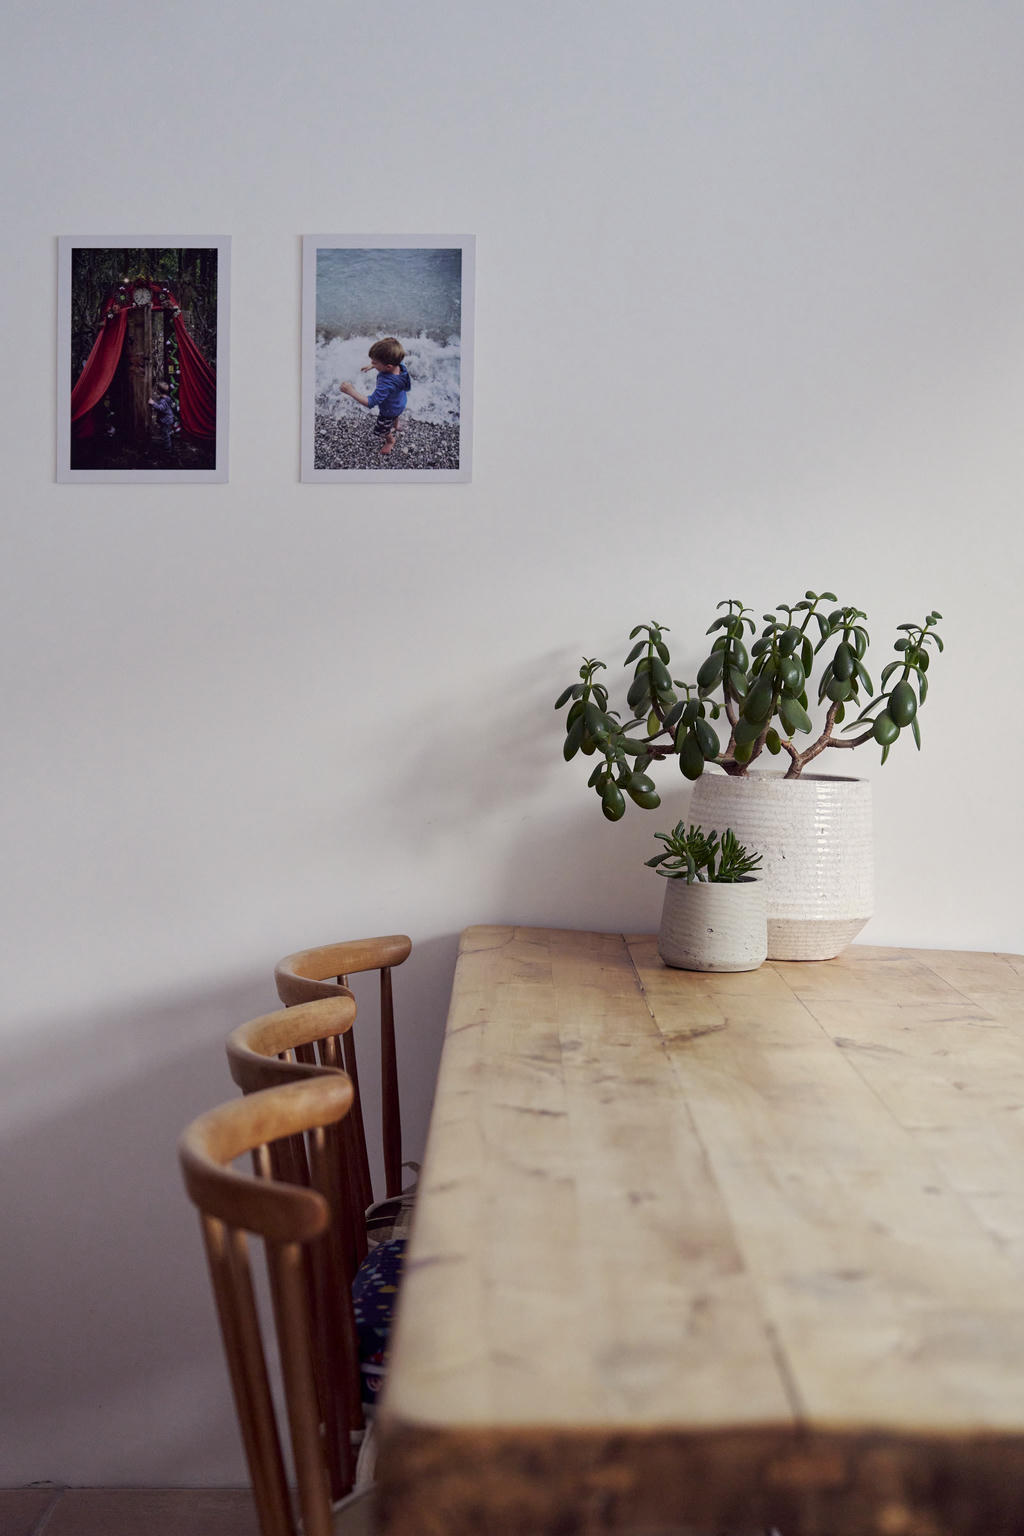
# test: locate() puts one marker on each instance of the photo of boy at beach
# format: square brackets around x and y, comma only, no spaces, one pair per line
[394,311]
[392,391]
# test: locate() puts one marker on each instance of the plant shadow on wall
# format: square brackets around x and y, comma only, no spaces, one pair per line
[813,830]
[480,833]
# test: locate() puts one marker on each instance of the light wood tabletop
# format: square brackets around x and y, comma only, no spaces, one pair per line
[714,1253]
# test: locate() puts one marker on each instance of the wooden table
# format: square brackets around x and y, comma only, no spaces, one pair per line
[715,1252]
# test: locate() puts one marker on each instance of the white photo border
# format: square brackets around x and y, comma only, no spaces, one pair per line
[65,474]
[311,244]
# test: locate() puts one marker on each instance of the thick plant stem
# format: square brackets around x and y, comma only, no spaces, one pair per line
[801,759]
[855,741]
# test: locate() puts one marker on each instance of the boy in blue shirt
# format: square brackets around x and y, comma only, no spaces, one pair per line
[391,393]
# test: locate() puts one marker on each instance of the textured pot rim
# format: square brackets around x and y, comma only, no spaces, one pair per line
[778,776]
[716,884]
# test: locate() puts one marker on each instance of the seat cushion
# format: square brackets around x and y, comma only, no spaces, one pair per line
[374,1292]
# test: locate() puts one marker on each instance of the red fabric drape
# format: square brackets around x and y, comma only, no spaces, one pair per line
[100,366]
[197,387]
[197,390]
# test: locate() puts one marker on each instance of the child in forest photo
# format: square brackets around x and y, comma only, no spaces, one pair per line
[163,410]
[392,391]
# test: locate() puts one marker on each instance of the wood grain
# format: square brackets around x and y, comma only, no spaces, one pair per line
[711,1251]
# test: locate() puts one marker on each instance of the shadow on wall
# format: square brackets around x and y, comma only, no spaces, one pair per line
[111,1357]
[577,870]
[113,1365]
[523,862]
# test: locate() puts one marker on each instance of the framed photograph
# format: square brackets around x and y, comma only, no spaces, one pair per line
[387,357]
[142,360]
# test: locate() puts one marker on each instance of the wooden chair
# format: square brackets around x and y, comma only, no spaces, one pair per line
[296,1045]
[310,1273]
[323,973]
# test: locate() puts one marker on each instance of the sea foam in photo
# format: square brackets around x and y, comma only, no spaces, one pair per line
[433,368]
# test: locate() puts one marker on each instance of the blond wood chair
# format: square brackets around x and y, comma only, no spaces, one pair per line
[296,1045]
[323,973]
[310,1275]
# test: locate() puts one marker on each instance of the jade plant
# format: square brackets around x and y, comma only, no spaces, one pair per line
[695,856]
[761,696]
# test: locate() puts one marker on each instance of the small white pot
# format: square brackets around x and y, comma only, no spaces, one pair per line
[712,927]
[814,836]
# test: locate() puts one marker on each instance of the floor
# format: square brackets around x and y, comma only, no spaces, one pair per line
[50,1511]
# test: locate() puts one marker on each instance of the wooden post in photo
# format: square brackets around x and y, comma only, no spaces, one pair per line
[139,352]
[157,353]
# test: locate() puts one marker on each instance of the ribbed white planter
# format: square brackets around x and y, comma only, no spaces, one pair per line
[711,927]
[815,838]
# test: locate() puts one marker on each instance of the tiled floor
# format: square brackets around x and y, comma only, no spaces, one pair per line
[127,1512]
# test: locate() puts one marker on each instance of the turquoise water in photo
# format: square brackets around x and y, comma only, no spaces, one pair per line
[388,292]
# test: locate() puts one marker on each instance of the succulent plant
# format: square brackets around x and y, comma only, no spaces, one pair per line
[763,694]
[691,854]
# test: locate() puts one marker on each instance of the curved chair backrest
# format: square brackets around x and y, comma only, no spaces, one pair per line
[322,973]
[291,1044]
[309,1283]
[297,1045]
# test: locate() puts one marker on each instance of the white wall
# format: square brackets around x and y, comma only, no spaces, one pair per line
[750,318]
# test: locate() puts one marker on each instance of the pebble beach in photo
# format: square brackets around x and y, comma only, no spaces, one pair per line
[349,442]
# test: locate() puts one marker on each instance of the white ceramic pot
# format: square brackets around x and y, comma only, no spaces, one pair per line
[711,927]
[814,835]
